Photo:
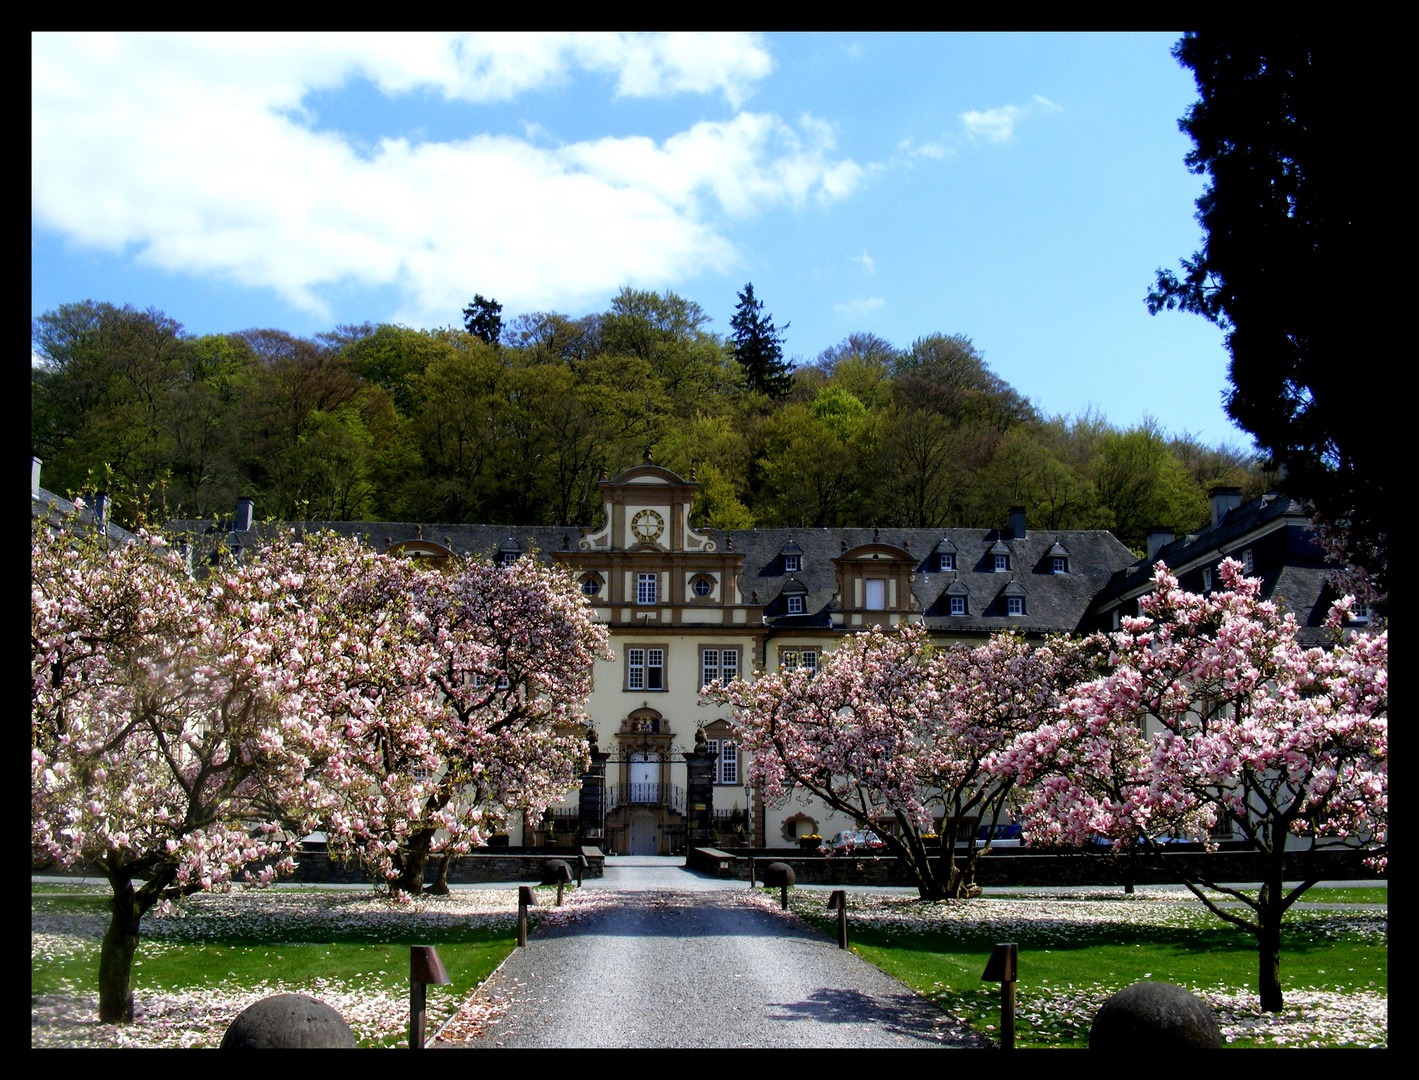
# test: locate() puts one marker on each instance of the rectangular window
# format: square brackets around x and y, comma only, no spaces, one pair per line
[1207,579]
[1002,563]
[791,564]
[718,664]
[958,605]
[645,669]
[728,763]
[645,588]
[1247,564]
[1014,605]
[1058,565]
[792,659]
[875,594]
[948,561]
[795,605]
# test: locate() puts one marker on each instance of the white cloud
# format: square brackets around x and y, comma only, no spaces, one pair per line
[997,125]
[866,260]
[862,306]
[192,152]
[930,149]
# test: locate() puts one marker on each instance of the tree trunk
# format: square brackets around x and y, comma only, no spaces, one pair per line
[440,885]
[1268,918]
[411,879]
[120,942]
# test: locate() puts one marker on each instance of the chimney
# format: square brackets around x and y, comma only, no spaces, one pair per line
[101,509]
[242,521]
[34,475]
[1222,500]
[1017,522]
[1159,536]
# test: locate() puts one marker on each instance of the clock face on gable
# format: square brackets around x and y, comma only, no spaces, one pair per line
[647,525]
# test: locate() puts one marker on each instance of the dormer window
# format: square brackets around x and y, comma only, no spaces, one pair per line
[1058,564]
[958,605]
[956,599]
[1014,605]
[509,551]
[1248,564]
[945,555]
[1000,563]
[795,598]
[703,585]
[591,584]
[792,557]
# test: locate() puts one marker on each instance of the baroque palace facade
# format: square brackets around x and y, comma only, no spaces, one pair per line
[686,607]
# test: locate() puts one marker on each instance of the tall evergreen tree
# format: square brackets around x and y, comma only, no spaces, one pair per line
[758,346]
[484,318]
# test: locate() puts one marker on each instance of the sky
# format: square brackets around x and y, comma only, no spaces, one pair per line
[1020,189]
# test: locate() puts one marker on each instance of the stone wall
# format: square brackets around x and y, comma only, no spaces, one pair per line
[1013,867]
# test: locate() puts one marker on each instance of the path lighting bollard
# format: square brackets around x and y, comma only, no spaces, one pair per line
[751,871]
[525,899]
[837,901]
[425,967]
[581,867]
[780,874]
[1004,967]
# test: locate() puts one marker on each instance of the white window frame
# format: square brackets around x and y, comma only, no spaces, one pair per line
[947,560]
[1014,605]
[957,602]
[705,582]
[726,761]
[795,604]
[645,668]
[1001,564]
[1248,562]
[510,557]
[1207,579]
[647,586]
[591,585]
[717,664]
[793,659]
[792,563]
[1059,564]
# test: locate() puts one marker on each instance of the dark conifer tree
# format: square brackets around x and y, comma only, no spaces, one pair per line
[483,318]
[758,346]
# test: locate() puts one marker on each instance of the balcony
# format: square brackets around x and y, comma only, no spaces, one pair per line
[671,796]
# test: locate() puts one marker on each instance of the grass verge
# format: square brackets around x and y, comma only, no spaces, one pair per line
[1074,954]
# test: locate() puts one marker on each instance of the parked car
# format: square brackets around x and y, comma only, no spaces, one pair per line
[1000,836]
[850,840]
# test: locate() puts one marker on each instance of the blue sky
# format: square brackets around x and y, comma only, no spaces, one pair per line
[1019,189]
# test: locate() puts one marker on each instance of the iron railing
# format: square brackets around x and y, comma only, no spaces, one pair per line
[645,794]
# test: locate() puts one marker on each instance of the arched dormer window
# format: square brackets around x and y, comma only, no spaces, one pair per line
[792,556]
[957,600]
[1000,557]
[1057,559]
[945,555]
[795,598]
[1013,597]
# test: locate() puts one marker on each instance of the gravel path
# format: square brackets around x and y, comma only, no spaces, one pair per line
[702,968]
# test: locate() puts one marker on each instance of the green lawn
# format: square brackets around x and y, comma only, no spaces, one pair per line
[1328,965]
[227,947]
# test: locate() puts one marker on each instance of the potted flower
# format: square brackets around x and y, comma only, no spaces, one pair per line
[811,842]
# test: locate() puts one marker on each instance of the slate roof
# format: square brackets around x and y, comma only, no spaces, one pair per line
[58,510]
[1054,602]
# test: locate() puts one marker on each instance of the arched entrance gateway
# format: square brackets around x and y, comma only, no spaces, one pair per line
[650,803]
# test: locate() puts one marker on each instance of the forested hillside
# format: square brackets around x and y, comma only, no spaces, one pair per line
[385,422]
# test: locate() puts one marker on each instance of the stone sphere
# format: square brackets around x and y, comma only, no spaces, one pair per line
[555,870]
[1154,1016]
[778,873]
[288,1022]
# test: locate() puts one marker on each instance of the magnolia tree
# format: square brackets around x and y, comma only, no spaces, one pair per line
[890,727]
[1247,727]
[176,726]
[469,707]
